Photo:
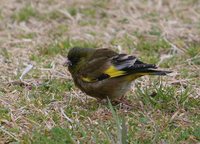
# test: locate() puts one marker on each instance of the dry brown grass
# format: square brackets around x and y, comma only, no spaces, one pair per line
[105,23]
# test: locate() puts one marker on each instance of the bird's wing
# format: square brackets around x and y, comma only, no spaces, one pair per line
[130,64]
[96,64]
[102,67]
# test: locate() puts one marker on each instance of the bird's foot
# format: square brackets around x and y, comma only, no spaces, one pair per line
[123,103]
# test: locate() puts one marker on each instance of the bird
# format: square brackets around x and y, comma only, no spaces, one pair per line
[103,73]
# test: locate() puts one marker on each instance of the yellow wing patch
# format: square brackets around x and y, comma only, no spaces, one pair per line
[86,79]
[113,72]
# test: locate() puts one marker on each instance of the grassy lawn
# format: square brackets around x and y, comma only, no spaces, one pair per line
[46,107]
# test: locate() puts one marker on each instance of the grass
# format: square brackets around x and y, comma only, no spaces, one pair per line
[46,107]
[25,13]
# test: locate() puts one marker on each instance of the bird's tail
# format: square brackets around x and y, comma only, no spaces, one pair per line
[154,72]
[147,69]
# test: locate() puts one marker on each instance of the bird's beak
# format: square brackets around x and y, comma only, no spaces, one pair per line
[67,63]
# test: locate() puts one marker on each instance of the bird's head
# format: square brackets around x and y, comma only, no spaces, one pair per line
[77,55]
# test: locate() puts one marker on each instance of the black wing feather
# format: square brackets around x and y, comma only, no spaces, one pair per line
[130,63]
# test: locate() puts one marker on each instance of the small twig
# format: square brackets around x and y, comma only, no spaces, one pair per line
[174,47]
[65,116]
[163,57]
[27,69]
[173,116]
[78,95]
[8,133]
[67,14]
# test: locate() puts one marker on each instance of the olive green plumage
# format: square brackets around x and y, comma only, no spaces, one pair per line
[103,73]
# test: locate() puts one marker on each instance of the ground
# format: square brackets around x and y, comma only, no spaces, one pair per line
[45,106]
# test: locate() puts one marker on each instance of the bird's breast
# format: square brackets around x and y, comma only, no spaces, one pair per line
[111,88]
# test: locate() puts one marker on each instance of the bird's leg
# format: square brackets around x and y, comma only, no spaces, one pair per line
[115,102]
[124,104]
[103,101]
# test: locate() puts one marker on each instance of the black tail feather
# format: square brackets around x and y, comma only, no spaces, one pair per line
[148,69]
[157,72]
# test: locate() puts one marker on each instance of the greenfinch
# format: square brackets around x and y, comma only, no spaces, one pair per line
[103,73]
